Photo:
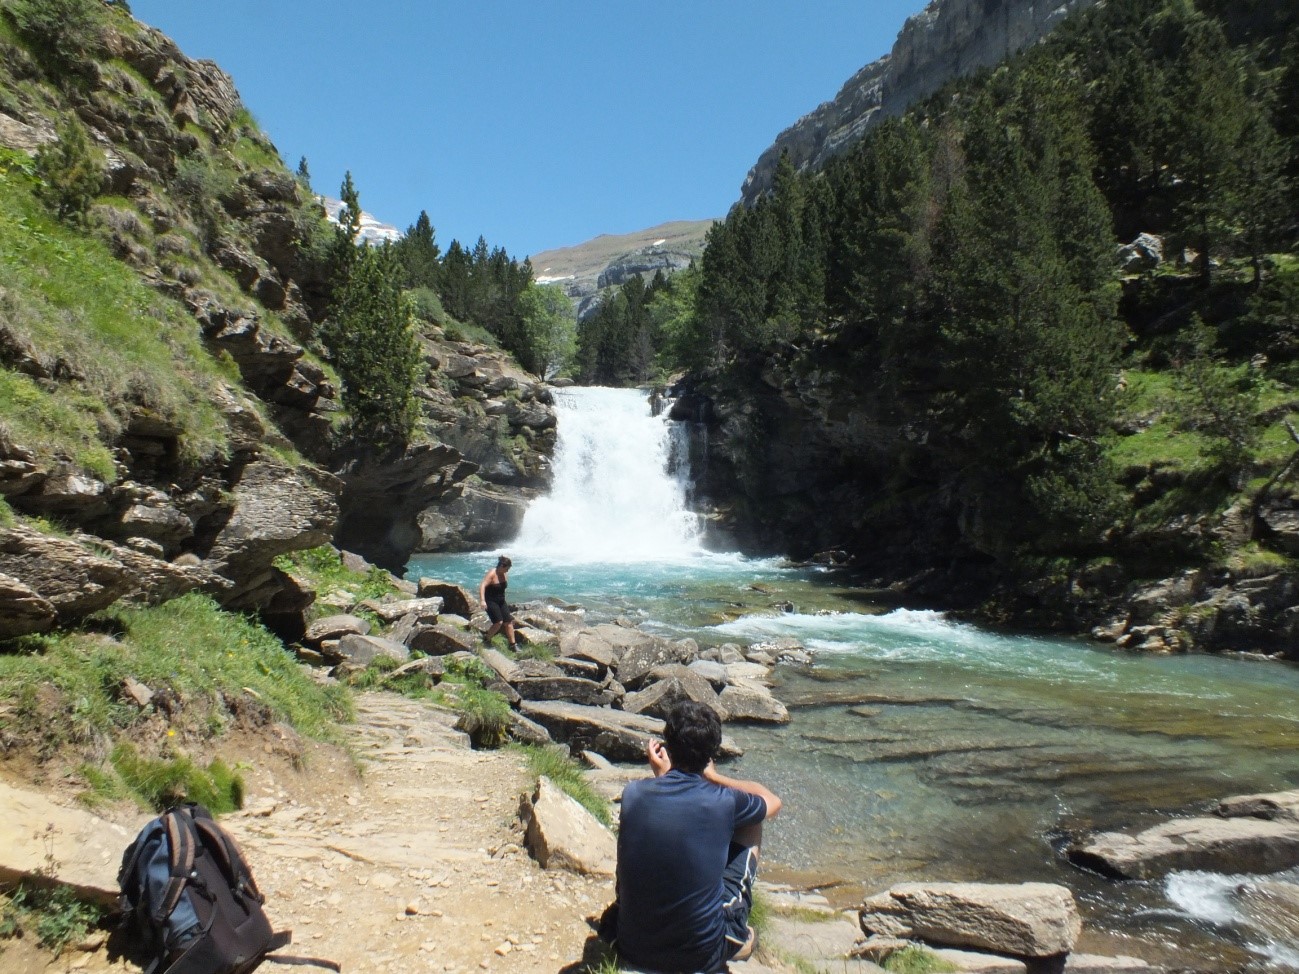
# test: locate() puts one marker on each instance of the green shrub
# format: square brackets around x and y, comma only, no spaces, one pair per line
[71,171]
[54,914]
[484,715]
[50,910]
[160,784]
[61,32]
[555,764]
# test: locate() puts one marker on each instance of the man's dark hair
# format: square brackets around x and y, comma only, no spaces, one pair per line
[692,736]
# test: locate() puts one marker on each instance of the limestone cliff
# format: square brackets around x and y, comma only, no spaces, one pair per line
[948,39]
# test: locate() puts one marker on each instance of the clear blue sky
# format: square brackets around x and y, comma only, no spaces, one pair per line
[537,125]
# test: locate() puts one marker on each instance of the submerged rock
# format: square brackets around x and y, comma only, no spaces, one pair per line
[1235,845]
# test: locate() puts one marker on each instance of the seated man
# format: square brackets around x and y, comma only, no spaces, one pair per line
[688,853]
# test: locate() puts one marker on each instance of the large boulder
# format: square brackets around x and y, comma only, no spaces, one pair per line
[636,661]
[617,735]
[441,639]
[423,609]
[1025,920]
[752,705]
[335,627]
[81,574]
[584,644]
[22,610]
[84,851]
[1234,845]
[1144,253]
[482,515]
[678,683]
[561,834]
[574,689]
[363,650]
[456,599]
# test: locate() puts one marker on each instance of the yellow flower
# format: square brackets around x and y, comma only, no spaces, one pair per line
[170,732]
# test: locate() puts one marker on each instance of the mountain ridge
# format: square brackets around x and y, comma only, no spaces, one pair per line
[946,40]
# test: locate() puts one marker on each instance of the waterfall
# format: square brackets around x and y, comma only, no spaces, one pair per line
[621,480]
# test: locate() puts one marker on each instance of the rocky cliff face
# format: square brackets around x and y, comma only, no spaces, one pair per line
[948,39]
[215,236]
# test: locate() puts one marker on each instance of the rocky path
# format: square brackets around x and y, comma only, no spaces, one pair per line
[418,866]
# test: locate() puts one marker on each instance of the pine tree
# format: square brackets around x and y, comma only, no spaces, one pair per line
[418,253]
[374,348]
[343,253]
[1212,110]
[1030,342]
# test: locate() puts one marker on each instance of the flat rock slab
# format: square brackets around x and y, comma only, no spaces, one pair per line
[1024,919]
[1231,845]
[831,939]
[87,850]
[974,962]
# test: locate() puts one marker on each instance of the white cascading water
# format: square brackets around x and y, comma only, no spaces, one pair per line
[615,497]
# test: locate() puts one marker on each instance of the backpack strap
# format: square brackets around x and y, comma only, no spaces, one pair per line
[182,848]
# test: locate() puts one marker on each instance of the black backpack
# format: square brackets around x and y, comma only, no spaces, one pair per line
[188,896]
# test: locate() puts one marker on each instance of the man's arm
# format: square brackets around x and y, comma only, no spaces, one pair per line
[751,787]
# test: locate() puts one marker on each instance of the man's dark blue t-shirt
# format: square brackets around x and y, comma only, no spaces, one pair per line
[674,834]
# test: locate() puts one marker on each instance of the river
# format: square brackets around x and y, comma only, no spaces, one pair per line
[920,747]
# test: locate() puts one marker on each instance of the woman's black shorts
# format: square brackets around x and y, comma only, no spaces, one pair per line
[498,612]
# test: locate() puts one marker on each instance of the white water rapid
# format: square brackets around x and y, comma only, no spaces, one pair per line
[618,495]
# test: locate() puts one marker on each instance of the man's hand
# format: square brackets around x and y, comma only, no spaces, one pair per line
[659,761]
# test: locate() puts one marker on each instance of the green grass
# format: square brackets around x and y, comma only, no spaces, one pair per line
[1253,561]
[555,764]
[64,689]
[64,421]
[914,959]
[1154,398]
[132,348]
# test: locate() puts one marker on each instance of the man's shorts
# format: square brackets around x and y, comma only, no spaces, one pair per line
[737,895]
[498,612]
